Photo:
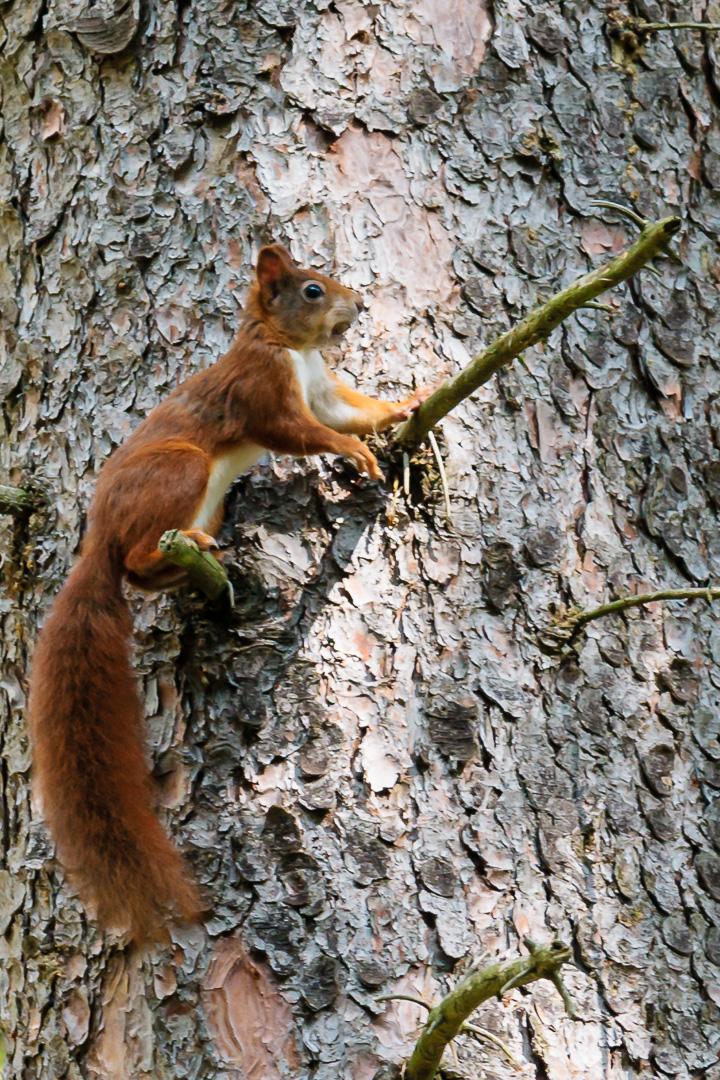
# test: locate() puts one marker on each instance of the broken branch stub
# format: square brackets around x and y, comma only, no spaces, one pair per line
[14,500]
[204,571]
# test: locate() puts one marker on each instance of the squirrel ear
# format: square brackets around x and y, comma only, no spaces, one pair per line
[272,266]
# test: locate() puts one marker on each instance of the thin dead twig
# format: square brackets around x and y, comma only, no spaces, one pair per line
[443,475]
[653,27]
[578,618]
[490,1036]
[406,997]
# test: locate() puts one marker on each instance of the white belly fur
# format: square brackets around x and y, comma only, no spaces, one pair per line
[319,390]
[224,471]
[310,371]
[319,393]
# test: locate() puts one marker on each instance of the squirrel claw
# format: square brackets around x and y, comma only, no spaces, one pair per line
[407,408]
[203,540]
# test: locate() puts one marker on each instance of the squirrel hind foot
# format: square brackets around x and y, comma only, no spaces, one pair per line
[203,540]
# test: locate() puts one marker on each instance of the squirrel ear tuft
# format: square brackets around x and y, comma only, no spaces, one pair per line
[273,264]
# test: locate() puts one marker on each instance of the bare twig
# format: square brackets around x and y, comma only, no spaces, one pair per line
[483,1033]
[204,571]
[652,27]
[641,223]
[405,997]
[567,1001]
[624,211]
[14,500]
[443,476]
[557,981]
[577,618]
[446,1020]
[632,32]
[600,307]
[516,980]
[535,327]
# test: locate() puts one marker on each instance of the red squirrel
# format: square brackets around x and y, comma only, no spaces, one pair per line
[271,391]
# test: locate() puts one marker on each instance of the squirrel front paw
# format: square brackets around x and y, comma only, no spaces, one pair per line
[365,460]
[405,409]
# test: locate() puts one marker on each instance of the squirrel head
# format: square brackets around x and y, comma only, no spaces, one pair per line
[304,309]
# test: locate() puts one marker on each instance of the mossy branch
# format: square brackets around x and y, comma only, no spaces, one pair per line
[535,327]
[204,571]
[578,618]
[447,1019]
[653,27]
[14,500]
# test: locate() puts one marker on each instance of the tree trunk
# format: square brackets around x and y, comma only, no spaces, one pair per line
[376,771]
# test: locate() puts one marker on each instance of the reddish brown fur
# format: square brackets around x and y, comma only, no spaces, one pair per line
[85,711]
[89,762]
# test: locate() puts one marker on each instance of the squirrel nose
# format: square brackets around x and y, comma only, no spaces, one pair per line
[359,303]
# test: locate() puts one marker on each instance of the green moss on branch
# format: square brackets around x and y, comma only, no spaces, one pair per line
[15,500]
[446,1020]
[535,327]
[204,571]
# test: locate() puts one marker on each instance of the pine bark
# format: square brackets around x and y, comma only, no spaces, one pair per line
[377,772]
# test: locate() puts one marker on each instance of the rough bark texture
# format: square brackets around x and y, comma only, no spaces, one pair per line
[375,770]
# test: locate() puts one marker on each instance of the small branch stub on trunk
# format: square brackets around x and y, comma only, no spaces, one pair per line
[16,501]
[204,571]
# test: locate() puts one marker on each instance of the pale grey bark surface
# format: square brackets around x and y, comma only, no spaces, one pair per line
[376,771]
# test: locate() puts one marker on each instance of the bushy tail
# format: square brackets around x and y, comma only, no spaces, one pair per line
[86,721]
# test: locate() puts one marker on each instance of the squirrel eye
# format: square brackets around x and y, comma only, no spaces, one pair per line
[313,291]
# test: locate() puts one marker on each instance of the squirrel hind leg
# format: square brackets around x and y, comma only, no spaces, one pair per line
[165,579]
[174,504]
[150,572]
